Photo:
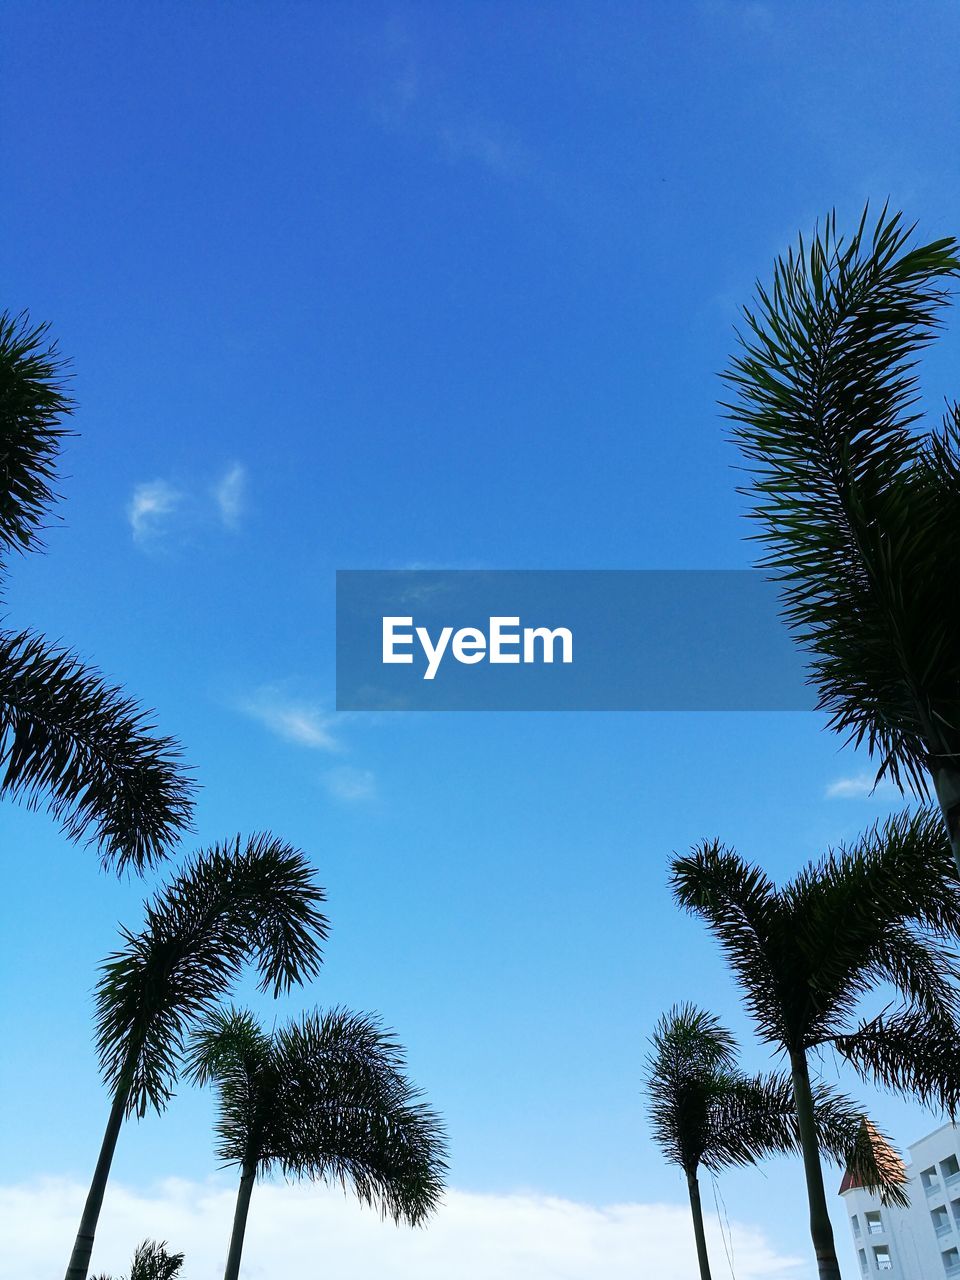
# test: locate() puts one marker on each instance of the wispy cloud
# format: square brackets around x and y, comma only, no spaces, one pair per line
[290,719]
[472,1237]
[159,509]
[230,495]
[352,786]
[860,787]
[150,508]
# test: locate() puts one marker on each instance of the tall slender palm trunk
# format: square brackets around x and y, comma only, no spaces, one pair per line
[693,1186]
[821,1229]
[83,1245]
[247,1179]
[946,782]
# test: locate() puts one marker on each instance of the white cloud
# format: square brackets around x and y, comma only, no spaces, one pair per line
[157,505]
[351,785]
[861,787]
[305,1231]
[149,508]
[289,719]
[230,494]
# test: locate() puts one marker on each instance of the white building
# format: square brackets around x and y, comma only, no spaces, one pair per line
[921,1242]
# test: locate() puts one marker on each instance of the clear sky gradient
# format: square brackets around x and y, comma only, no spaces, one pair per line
[445,285]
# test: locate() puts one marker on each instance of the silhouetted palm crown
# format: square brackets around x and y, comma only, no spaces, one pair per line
[325,1097]
[882,912]
[859,511]
[231,905]
[69,739]
[703,1109]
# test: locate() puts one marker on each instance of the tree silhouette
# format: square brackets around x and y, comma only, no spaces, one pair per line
[233,905]
[325,1097]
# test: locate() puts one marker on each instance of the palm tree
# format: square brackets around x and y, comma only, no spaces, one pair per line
[325,1097]
[707,1113]
[882,912]
[152,1262]
[232,905]
[858,509]
[68,738]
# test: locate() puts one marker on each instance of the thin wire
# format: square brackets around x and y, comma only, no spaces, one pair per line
[724,1235]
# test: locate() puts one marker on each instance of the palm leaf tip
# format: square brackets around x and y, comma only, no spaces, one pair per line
[33,403]
[289,927]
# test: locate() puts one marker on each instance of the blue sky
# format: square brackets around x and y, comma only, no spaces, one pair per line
[443,285]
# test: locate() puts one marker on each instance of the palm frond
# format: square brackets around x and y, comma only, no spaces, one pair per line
[912,1052]
[856,508]
[740,905]
[33,404]
[232,905]
[152,1262]
[86,750]
[885,910]
[753,1116]
[226,1038]
[358,1119]
[881,910]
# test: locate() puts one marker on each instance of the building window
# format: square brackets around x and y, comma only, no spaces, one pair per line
[951,1261]
[856,1223]
[929,1180]
[881,1256]
[940,1219]
[863,1261]
[874,1223]
[950,1168]
[955,1209]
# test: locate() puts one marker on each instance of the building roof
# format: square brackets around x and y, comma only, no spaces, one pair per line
[887,1160]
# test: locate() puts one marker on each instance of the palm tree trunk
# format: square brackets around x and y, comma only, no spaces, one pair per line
[693,1186]
[247,1178]
[946,781]
[821,1229]
[83,1245]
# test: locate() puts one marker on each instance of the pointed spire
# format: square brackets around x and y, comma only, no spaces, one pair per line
[873,1145]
